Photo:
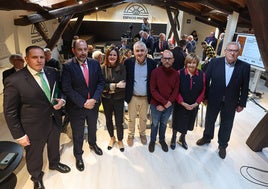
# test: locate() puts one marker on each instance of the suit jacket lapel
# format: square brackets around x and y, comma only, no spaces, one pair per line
[30,79]
[50,79]
[78,70]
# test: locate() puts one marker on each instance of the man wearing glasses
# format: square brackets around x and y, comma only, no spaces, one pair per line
[226,93]
[164,87]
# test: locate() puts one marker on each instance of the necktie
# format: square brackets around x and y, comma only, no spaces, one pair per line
[85,72]
[86,75]
[44,85]
[161,45]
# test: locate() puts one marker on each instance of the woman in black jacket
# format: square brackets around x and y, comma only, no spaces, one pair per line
[113,95]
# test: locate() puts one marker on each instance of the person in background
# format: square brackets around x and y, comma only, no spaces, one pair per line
[191,93]
[192,41]
[189,47]
[123,44]
[208,54]
[82,83]
[164,89]
[146,26]
[18,63]
[179,55]
[195,36]
[220,44]
[149,42]
[113,95]
[98,55]
[30,115]
[137,93]
[50,61]
[211,40]
[161,44]
[90,51]
[127,54]
[226,93]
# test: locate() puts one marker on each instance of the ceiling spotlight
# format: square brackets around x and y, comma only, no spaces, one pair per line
[209,19]
[80,2]
[96,8]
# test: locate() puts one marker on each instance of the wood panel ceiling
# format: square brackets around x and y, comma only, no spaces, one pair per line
[203,10]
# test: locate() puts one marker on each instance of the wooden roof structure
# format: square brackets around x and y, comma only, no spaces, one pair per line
[252,14]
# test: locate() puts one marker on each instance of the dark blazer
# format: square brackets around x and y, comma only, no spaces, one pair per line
[130,68]
[236,93]
[7,73]
[26,107]
[179,57]
[74,85]
[149,42]
[157,49]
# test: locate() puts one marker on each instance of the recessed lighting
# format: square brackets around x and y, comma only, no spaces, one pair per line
[209,19]
[96,8]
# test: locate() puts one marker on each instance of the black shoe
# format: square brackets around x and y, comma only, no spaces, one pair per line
[61,168]
[182,142]
[80,165]
[173,143]
[96,149]
[222,152]
[164,146]
[202,141]
[151,146]
[39,185]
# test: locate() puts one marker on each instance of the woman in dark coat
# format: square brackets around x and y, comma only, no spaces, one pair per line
[191,94]
[113,95]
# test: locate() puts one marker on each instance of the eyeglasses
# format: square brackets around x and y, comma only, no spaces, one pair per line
[167,58]
[233,50]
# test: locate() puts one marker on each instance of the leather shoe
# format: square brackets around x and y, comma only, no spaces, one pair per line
[164,146]
[151,146]
[222,152]
[39,184]
[96,149]
[202,141]
[182,142]
[173,142]
[61,168]
[80,165]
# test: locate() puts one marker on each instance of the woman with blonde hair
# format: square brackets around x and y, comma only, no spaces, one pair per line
[191,93]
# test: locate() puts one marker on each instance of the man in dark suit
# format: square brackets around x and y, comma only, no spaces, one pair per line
[82,83]
[138,73]
[30,115]
[50,61]
[227,93]
[161,44]
[179,55]
[18,63]
[149,42]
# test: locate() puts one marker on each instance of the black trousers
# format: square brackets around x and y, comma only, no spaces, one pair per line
[227,114]
[34,153]
[116,107]
[77,120]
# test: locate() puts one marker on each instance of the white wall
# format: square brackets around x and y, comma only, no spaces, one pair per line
[14,39]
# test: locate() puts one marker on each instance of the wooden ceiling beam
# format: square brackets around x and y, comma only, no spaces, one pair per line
[34,18]
[59,31]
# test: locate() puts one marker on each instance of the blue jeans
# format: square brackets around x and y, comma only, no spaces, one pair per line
[159,120]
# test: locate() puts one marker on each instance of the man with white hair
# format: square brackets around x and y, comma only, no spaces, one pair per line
[18,63]
[98,55]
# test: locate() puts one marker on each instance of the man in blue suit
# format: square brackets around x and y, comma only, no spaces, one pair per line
[227,93]
[138,74]
[82,83]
